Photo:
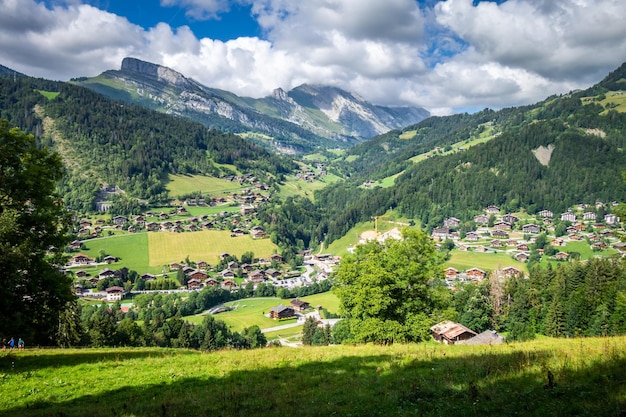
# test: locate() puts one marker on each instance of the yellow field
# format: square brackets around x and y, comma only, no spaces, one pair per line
[206,245]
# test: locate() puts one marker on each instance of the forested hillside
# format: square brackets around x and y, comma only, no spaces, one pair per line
[563,151]
[106,142]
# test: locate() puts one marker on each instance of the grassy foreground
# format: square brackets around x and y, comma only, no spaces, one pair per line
[542,378]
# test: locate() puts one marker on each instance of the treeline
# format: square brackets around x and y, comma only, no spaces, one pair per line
[583,163]
[135,148]
[571,300]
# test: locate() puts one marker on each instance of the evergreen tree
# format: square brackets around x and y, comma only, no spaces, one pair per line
[308,330]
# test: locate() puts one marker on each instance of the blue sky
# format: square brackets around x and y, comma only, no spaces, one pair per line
[444,55]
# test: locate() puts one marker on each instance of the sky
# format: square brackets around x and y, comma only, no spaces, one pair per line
[446,56]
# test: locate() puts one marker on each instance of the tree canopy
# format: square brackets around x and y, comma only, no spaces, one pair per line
[389,290]
[33,225]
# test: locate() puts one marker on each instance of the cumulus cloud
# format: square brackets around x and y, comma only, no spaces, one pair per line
[443,55]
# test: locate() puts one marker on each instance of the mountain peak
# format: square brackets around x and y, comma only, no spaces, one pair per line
[153,71]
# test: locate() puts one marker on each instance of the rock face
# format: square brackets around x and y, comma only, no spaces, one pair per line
[296,121]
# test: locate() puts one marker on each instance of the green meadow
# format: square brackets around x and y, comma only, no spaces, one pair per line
[485,261]
[297,187]
[547,377]
[187,184]
[151,251]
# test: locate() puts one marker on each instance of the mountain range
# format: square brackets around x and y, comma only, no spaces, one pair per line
[295,121]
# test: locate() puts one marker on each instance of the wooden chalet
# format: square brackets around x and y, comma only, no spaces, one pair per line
[299,305]
[115,293]
[449,332]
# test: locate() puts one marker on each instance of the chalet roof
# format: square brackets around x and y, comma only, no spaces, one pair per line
[280,308]
[114,289]
[450,329]
[298,303]
[488,337]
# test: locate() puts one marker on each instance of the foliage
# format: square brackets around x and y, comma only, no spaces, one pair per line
[387,290]
[33,232]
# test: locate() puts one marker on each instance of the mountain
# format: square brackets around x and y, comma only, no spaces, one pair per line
[296,121]
[103,141]
[5,70]
[555,154]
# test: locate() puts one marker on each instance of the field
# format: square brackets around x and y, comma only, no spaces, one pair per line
[548,377]
[207,245]
[149,252]
[250,311]
[486,261]
[187,184]
[294,186]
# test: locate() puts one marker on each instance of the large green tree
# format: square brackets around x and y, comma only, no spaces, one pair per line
[388,291]
[33,226]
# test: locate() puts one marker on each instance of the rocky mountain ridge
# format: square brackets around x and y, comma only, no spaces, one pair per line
[295,121]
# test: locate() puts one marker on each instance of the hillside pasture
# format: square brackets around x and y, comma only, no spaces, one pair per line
[294,186]
[178,185]
[486,261]
[548,377]
[131,250]
[207,245]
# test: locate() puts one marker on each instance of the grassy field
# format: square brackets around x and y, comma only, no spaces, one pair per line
[548,377]
[207,245]
[149,252]
[485,261]
[250,311]
[50,95]
[187,184]
[295,186]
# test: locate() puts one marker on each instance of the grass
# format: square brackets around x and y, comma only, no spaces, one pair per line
[50,95]
[207,245]
[297,187]
[149,252]
[485,261]
[187,184]
[547,377]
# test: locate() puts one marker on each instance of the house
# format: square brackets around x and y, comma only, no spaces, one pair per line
[531,228]
[451,222]
[451,273]
[502,226]
[441,233]
[589,215]
[194,284]
[488,337]
[299,305]
[510,218]
[257,233]
[119,220]
[227,273]
[81,273]
[276,258]
[229,284]
[198,275]
[568,217]
[449,332]
[480,249]
[281,312]
[109,259]
[272,273]
[500,234]
[481,218]
[492,210]
[522,247]
[153,226]
[106,273]
[546,214]
[562,256]
[475,273]
[148,277]
[611,219]
[175,265]
[246,209]
[75,245]
[511,271]
[232,265]
[81,259]
[115,293]
[202,264]
[256,276]
[85,224]
[522,256]
[496,243]
[472,236]
[210,282]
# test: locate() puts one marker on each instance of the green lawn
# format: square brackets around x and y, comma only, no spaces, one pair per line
[485,261]
[187,184]
[547,377]
[295,186]
[50,95]
[130,249]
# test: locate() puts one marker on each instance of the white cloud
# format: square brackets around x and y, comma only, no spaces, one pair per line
[453,56]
